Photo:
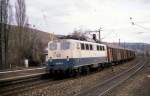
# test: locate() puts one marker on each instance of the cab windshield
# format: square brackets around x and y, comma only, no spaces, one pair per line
[65,45]
[53,46]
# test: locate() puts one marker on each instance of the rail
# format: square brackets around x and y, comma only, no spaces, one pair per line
[5,72]
[102,88]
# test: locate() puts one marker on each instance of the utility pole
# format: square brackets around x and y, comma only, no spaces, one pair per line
[119,42]
[124,45]
[100,29]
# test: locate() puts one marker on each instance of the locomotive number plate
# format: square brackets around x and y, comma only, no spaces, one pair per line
[59,63]
[58,55]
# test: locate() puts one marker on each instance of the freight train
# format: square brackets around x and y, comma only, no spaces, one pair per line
[71,55]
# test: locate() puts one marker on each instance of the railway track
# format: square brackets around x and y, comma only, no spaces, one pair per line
[20,79]
[22,85]
[103,87]
[15,86]
[11,88]
[20,74]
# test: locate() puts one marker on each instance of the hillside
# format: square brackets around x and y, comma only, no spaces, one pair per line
[27,44]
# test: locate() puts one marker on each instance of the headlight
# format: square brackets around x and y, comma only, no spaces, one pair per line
[67,58]
[50,59]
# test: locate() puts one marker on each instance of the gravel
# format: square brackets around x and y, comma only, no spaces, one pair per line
[72,87]
[138,85]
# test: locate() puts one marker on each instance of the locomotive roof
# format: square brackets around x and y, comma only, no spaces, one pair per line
[118,47]
[83,41]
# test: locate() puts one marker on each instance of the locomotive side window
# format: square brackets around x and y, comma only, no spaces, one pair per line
[91,47]
[100,48]
[87,46]
[103,48]
[82,46]
[97,47]
[65,45]
[53,46]
[78,46]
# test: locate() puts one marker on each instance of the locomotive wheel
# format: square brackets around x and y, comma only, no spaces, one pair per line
[71,72]
[102,66]
[79,71]
[85,70]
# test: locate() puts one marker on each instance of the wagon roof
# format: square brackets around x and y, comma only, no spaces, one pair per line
[117,46]
[80,41]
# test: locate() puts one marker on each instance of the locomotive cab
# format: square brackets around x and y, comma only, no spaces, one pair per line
[60,54]
[71,54]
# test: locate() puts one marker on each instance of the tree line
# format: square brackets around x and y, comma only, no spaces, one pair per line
[20,42]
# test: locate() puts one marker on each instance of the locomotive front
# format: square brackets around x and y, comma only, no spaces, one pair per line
[60,55]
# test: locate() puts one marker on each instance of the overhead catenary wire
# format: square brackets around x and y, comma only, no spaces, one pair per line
[134,23]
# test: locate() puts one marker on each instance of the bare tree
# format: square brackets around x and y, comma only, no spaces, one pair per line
[21,20]
[20,41]
[29,45]
[4,32]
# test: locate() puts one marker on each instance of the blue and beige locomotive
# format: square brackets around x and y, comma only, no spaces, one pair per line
[71,54]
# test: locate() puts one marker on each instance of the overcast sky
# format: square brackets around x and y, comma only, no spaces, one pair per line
[64,16]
